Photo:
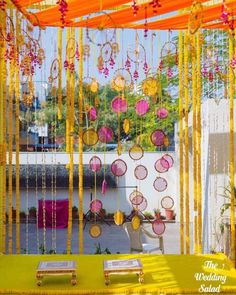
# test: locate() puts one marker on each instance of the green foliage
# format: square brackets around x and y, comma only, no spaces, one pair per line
[98,249]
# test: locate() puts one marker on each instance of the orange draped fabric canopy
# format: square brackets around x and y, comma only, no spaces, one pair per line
[123,17]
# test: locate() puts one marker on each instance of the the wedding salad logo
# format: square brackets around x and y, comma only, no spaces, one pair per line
[210,280]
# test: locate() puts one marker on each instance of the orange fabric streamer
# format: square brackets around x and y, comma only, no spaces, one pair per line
[52,15]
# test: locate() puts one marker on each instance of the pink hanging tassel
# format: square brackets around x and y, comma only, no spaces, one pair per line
[104,187]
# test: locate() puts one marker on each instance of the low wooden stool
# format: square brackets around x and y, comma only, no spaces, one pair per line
[56,268]
[123,267]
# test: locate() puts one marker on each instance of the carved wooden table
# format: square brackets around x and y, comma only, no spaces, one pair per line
[56,268]
[123,267]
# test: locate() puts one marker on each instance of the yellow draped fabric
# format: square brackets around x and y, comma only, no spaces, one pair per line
[181,178]
[163,274]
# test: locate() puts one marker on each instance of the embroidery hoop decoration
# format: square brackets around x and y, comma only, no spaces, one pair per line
[95,164]
[105,134]
[90,137]
[157,137]
[167,202]
[118,167]
[96,206]
[160,184]
[140,172]
[167,158]
[158,227]
[136,152]
[95,230]
[160,167]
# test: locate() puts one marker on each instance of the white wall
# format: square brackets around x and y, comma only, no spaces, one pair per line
[114,198]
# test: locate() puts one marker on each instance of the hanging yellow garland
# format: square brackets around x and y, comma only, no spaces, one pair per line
[59,111]
[4,110]
[194,137]
[181,178]
[71,138]
[198,126]
[2,241]
[231,148]
[186,172]
[17,140]
[67,99]
[80,104]
[10,145]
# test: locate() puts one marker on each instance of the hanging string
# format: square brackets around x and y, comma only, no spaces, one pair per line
[231,149]
[181,178]
[44,196]
[27,183]
[59,95]
[17,137]
[186,172]
[80,105]
[10,145]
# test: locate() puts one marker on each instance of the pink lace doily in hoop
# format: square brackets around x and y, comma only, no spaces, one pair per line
[119,105]
[162,113]
[95,164]
[167,158]
[96,206]
[140,172]
[158,137]
[118,167]
[158,227]
[141,107]
[160,167]
[160,184]
[105,134]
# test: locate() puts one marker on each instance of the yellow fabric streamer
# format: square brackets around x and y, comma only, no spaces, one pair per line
[231,149]
[186,172]
[199,136]
[17,141]
[181,179]
[59,111]
[80,103]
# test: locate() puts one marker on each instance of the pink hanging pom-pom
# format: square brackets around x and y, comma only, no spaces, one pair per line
[104,187]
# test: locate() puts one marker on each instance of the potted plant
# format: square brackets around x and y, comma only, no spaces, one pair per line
[102,213]
[227,196]
[169,214]
[74,212]
[22,216]
[32,212]
[157,213]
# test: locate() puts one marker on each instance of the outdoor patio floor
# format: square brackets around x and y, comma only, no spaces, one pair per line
[113,237]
